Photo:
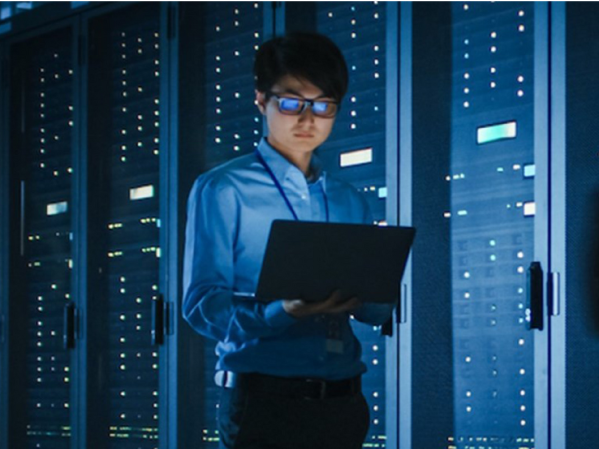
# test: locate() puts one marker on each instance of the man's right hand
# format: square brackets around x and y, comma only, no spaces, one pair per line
[335,303]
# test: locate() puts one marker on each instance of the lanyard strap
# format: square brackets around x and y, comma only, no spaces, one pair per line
[282,192]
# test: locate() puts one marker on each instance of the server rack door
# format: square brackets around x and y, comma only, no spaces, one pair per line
[473,376]
[577,230]
[356,152]
[124,252]
[40,126]
[218,122]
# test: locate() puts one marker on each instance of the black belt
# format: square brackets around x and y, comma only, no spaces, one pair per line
[299,388]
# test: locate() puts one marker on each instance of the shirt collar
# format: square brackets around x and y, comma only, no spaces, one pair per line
[281,166]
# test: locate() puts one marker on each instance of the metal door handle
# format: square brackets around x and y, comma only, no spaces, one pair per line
[534,296]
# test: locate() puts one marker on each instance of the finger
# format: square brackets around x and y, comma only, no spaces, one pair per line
[335,298]
[332,302]
[352,304]
[346,306]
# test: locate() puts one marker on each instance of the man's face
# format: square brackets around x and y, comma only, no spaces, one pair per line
[294,134]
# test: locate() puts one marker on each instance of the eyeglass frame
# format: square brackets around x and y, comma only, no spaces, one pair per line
[306,102]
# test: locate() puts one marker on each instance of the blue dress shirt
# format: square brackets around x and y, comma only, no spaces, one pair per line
[230,210]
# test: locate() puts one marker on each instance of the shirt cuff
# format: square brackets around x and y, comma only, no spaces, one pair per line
[275,315]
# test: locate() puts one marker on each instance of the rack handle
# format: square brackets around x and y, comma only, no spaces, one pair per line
[534,296]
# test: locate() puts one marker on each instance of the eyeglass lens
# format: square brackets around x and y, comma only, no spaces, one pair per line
[296,106]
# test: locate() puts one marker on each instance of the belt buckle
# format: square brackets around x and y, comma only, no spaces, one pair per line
[322,390]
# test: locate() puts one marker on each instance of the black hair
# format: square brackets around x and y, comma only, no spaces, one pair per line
[309,56]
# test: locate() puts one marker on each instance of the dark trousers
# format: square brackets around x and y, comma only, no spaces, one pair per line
[258,420]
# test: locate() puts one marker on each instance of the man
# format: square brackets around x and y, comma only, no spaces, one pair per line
[289,370]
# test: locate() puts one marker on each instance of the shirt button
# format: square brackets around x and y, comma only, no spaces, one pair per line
[304,197]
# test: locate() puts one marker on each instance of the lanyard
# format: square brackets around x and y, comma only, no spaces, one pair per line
[282,192]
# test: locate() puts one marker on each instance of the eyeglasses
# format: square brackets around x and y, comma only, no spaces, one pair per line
[296,106]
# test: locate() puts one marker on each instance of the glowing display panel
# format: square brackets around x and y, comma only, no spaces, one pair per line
[493,133]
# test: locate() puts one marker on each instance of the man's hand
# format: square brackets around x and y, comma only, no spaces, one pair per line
[335,303]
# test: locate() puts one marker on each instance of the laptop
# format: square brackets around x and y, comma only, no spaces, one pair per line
[310,260]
